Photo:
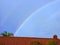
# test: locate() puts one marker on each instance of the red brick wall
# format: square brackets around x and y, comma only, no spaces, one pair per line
[24,40]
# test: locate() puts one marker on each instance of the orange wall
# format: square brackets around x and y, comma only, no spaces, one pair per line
[24,40]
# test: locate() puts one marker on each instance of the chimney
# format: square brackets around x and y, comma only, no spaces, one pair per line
[55,37]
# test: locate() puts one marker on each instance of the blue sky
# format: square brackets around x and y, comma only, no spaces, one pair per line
[16,15]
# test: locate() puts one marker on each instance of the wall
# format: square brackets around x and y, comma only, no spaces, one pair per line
[24,40]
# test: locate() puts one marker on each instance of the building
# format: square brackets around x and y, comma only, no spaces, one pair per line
[27,40]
